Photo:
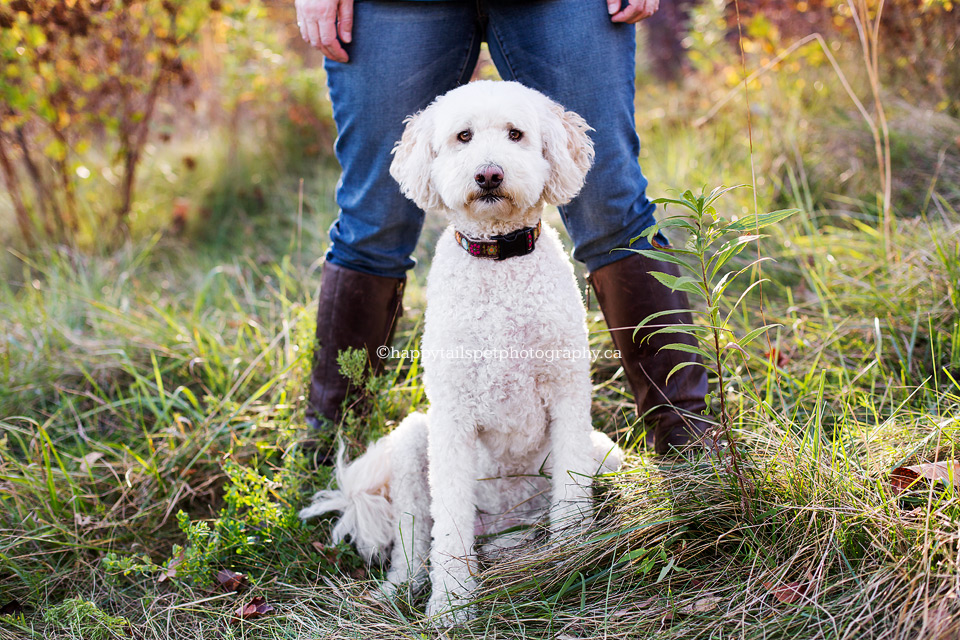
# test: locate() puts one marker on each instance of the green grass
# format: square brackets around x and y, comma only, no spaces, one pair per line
[151,409]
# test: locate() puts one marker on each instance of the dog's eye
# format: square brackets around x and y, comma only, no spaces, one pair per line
[464,136]
[515,135]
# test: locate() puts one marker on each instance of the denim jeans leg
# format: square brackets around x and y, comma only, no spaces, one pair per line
[572,52]
[402,56]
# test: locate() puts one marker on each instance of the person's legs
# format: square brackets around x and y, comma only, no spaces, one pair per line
[572,52]
[402,56]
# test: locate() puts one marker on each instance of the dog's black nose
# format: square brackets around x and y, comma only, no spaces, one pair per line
[489,176]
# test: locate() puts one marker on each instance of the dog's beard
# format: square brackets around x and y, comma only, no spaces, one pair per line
[488,197]
[490,203]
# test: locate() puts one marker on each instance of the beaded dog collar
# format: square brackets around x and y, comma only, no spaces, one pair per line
[510,245]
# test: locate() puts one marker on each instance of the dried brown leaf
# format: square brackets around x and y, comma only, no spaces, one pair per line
[87,461]
[81,520]
[231,580]
[903,478]
[254,609]
[171,570]
[788,593]
[359,573]
[702,605]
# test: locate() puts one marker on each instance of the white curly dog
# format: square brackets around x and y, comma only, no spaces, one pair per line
[507,438]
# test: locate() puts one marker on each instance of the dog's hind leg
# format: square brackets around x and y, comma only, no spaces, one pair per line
[410,494]
[606,453]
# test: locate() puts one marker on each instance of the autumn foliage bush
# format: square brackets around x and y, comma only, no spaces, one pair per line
[81,74]
[919,37]
[88,85]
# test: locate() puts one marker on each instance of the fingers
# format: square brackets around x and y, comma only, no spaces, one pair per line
[302,25]
[635,11]
[322,21]
[313,33]
[345,21]
[329,44]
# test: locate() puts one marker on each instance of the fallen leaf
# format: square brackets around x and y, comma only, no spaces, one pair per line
[330,554]
[787,593]
[902,478]
[231,580]
[12,608]
[87,461]
[254,609]
[777,357]
[171,570]
[358,574]
[702,605]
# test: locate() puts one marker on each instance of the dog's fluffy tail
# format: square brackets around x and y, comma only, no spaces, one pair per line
[363,500]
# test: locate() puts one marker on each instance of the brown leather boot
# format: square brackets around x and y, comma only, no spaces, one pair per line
[627,294]
[355,310]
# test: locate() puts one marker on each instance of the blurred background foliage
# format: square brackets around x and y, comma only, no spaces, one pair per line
[94,89]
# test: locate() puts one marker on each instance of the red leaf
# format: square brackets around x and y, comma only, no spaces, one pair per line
[777,357]
[788,593]
[231,580]
[254,609]
[902,478]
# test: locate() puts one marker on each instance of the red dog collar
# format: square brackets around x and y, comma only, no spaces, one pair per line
[510,245]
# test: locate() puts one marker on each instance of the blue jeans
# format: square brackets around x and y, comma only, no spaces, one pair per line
[404,54]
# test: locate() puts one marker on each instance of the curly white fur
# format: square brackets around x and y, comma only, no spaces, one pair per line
[505,440]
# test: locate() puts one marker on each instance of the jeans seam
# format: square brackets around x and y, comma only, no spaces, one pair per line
[466,58]
[506,55]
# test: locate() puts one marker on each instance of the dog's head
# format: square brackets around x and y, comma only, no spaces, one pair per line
[490,152]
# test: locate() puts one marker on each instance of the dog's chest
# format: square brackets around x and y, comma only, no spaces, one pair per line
[514,308]
[492,343]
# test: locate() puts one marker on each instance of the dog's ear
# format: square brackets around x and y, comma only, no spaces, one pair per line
[569,150]
[412,160]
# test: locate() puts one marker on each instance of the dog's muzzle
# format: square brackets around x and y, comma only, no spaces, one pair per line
[489,177]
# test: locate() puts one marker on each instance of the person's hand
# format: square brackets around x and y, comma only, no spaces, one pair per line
[325,24]
[635,11]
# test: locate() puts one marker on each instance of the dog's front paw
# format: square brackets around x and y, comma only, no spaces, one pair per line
[390,590]
[446,609]
[569,516]
[386,591]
